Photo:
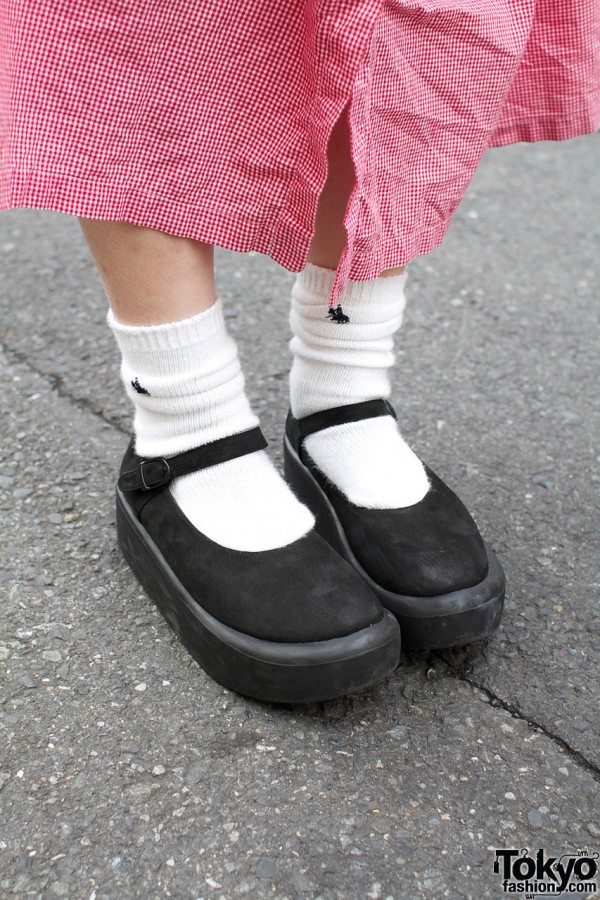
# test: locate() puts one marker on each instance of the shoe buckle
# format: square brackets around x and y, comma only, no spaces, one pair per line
[154,473]
[391,409]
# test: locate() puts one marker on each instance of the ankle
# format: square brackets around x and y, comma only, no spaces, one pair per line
[340,364]
[187,387]
[185,382]
[343,364]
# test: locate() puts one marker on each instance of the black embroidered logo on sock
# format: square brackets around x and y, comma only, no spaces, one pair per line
[138,388]
[338,315]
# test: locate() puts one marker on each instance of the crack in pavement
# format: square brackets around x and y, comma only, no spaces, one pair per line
[497,702]
[56,383]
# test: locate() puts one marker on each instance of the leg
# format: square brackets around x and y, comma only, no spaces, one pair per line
[323,376]
[149,277]
[182,372]
[397,524]
[330,235]
[215,535]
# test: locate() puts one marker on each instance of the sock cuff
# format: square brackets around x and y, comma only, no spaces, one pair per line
[316,281]
[379,301]
[134,339]
[387,290]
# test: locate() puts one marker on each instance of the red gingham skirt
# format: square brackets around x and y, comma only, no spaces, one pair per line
[211,120]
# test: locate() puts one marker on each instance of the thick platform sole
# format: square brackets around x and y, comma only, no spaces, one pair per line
[264,670]
[447,620]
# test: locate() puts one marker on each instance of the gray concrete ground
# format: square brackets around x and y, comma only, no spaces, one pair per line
[126,772]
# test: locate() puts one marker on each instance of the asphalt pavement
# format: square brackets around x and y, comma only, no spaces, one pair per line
[125,772]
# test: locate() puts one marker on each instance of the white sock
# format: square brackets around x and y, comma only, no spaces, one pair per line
[187,385]
[339,364]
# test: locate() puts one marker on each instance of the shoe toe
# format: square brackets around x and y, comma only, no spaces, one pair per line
[425,572]
[425,550]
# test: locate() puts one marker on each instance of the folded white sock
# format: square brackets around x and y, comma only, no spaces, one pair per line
[340,364]
[187,386]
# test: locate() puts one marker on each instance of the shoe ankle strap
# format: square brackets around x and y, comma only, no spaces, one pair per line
[299,429]
[155,474]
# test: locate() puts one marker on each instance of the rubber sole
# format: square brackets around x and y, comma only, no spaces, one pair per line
[431,623]
[264,670]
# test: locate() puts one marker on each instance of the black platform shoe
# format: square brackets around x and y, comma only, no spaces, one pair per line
[290,625]
[426,563]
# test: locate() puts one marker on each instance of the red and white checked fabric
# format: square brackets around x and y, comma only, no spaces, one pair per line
[210,120]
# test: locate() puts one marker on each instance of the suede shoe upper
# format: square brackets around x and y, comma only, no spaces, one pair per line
[436,541]
[425,550]
[254,592]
